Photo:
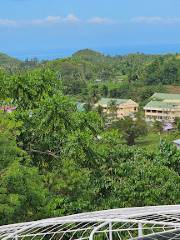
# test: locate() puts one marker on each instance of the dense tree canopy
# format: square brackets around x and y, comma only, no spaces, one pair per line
[22,191]
[131,129]
[56,160]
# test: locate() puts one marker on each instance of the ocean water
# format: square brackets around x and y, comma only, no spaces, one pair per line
[117,50]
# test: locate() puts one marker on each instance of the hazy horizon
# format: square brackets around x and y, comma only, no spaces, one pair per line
[112,51]
[56,28]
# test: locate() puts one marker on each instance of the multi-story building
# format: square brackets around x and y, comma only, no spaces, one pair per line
[163,107]
[119,108]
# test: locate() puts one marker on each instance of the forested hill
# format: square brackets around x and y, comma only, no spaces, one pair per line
[90,74]
[7,60]
[89,55]
[92,65]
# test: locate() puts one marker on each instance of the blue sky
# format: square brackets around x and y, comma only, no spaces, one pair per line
[58,27]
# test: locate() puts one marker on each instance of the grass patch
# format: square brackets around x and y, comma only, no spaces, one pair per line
[152,140]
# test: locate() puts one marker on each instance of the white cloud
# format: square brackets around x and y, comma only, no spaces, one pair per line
[45,21]
[55,20]
[7,22]
[71,18]
[100,20]
[51,20]
[156,19]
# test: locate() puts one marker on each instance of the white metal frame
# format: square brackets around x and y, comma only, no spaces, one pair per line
[159,222]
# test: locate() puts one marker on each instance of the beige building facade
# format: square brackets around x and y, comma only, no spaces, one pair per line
[118,108]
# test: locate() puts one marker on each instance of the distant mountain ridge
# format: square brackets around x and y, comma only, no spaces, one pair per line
[7,60]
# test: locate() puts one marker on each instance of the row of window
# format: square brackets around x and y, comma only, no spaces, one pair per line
[157,111]
[160,118]
[135,109]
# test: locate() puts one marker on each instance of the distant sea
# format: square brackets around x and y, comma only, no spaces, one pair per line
[113,51]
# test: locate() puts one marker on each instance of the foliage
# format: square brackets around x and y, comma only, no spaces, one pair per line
[130,177]
[28,88]
[169,156]
[158,126]
[131,129]
[9,62]
[164,70]
[22,192]
[55,160]
[177,122]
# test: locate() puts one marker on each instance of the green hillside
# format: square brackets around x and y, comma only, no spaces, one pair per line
[7,60]
[88,55]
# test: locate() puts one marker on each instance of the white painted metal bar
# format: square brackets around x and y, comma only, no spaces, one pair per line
[96,229]
[110,231]
[140,230]
[113,223]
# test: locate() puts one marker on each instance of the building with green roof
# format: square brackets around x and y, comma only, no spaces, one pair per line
[163,107]
[119,108]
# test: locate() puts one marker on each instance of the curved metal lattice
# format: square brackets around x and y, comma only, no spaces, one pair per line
[161,222]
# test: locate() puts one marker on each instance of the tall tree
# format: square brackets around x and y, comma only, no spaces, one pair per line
[131,129]
[22,191]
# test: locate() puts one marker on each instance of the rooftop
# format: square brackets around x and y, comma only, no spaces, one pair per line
[7,108]
[161,105]
[165,96]
[177,141]
[117,101]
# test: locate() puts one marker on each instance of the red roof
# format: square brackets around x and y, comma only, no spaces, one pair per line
[7,108]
